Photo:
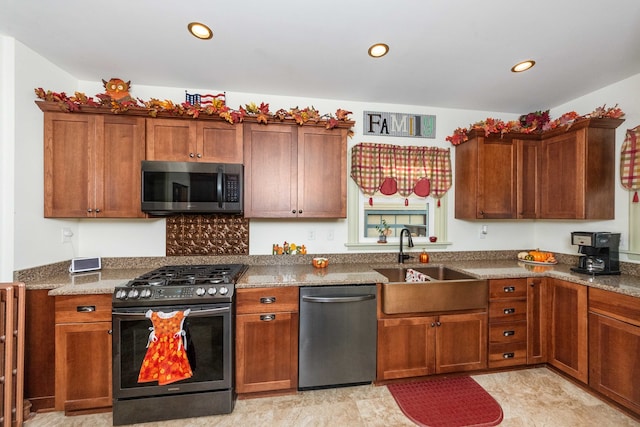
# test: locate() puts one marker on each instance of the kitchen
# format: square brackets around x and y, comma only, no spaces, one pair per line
[146,238]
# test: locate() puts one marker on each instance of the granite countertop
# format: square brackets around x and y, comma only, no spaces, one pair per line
[104,281]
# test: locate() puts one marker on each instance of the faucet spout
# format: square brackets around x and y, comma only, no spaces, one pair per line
[401,256]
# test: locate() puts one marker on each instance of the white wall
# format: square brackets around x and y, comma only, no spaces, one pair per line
[7,130]
[38,240]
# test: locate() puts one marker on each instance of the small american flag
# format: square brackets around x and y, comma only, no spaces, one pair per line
[196,98]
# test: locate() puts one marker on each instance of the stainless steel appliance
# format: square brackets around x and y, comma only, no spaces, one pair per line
[600,252]
[207,291]
[174,187]
[337,343]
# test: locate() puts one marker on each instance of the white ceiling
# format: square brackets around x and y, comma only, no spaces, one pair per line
[444,53]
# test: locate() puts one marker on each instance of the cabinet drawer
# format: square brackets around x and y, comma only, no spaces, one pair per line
[507,354]
[622,307]
[507,288]
[511,310]
[267,300]
[83,308]
[508,332]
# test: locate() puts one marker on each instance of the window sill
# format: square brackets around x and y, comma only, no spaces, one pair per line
[393,246]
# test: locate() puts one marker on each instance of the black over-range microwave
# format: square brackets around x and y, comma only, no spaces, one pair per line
[191,187]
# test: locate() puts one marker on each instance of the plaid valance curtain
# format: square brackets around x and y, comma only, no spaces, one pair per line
[391,169]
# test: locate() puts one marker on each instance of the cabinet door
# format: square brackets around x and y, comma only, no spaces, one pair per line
[120,149]
[266,352]
[83,367]
[527,168]
[69,164]
[219,142]
[496,178]
[322,172]
[461,342]
[536,321]
[614,359]
[568,336]
[562,175]
[171,140]
[271,179]
[405,347]
[39,355]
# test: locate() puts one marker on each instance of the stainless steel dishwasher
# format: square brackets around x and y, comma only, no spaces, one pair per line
[337,343]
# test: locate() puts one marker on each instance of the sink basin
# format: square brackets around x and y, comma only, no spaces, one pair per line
[445,290]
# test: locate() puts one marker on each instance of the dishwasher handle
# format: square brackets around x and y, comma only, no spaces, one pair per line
[330,299]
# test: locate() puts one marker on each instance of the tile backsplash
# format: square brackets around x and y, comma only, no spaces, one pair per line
[207,235]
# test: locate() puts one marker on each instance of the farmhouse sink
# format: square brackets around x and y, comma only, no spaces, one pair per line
[444,290]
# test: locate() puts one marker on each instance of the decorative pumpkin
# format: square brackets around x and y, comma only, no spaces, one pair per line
[540,256]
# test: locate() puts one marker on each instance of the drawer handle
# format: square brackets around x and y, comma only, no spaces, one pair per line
[267,300]
[267,317]
[509,310]
[85,308]
[508,333]
[508,355]
[509,288]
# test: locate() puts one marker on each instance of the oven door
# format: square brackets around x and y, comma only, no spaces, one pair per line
[208,331]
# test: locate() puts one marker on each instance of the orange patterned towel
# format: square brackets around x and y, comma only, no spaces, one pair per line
[166,359]
[630,162]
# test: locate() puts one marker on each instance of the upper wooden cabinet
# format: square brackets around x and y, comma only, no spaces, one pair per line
[92,165]
[184,140]
[561,174]
[577,179]
[492,176]
[295,171]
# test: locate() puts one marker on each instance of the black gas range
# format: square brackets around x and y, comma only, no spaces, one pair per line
[180,284]
[183,313]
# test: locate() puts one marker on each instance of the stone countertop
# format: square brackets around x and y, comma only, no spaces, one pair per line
[104,281]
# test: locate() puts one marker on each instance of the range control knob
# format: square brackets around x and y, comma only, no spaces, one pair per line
[212,291]
[133,294]
[200,292]
[145,293]
[121,294]
[224,290]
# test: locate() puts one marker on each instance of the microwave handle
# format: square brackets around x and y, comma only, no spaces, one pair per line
[219,186]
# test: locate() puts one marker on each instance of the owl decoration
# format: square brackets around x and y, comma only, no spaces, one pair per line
[118,89]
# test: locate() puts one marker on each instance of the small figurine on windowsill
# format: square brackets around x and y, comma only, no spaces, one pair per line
[383,231]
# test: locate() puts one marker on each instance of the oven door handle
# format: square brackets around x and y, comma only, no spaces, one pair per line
[193,313]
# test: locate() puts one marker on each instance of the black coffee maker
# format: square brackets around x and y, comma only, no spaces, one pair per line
[599,252]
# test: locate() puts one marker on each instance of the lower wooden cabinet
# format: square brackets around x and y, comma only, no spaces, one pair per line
[507,322]
[266,340]
[39,357]
[614,346]
[568,334]
[424,345]
[537,320]
[83,353]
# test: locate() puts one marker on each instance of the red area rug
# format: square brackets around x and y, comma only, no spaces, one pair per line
[447,402]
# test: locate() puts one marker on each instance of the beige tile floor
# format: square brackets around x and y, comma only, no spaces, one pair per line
[534,397]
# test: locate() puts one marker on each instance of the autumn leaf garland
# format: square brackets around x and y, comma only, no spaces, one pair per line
[218,107]
[536,122]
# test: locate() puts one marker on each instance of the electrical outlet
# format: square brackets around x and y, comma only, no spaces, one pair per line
[67,234]
[311,235]
[330,235]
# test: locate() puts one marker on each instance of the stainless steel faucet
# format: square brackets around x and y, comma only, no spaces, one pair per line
[401,255]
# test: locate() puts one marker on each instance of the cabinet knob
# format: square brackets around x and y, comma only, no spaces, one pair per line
[509,310]
[300,211]
[508,355]
[89,210]
[438,323]
[509,288]
[110,331]
[433,325]
[97,210]
[508,333]
[191,155]
[199,155]
[293,211]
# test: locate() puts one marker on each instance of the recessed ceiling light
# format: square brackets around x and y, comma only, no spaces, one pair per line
[200,31]
[378,50]
[523,66]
